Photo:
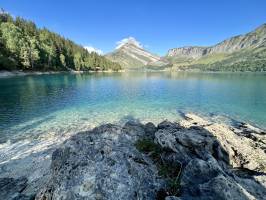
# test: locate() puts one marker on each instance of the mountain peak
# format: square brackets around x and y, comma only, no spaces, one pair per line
[129,41]
[130,54]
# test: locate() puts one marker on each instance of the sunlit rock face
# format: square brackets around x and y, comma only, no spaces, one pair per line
[131,54]
[251,40]
[189,51]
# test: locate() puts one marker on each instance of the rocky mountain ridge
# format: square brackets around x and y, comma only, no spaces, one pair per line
[245,52]
[252,39]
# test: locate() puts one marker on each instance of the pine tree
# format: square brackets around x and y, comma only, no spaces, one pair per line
[24,46]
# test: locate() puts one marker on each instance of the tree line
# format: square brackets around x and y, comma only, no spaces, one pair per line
[25,46]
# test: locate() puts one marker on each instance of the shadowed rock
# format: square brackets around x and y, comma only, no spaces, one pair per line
[11,188]
[150,130]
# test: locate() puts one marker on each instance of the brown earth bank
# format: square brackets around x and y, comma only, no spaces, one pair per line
[191,159]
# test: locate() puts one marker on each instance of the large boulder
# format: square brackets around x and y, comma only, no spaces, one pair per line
[102,164]
[217,162]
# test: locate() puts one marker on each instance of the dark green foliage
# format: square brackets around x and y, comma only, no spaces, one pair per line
[167,169]
[163,67]
[24,46]
[242,66]
[148,146]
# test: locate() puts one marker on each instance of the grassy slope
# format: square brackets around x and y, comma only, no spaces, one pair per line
[251,58]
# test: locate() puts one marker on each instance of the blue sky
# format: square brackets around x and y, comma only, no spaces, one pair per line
[158,24]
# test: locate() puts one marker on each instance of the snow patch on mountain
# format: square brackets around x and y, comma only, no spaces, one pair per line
[129,40]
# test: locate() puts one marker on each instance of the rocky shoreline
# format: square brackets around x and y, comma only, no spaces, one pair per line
[6,74]
[191,159]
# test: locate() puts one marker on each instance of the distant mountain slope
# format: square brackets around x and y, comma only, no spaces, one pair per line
[131,55]
[244,52]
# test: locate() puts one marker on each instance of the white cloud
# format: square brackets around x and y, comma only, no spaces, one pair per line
[92,49]
[129,40]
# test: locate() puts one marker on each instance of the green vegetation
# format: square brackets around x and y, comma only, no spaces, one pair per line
[240,53]
[245,60]
[148,146]
[167,169]
[209,59]
[24,46]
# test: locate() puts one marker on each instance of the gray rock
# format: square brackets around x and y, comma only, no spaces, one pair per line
[193,52]
[188,143]
[102,164]
[221,188]
[134,128]
[206,180]
[172,198]
[168,125]
[207,152]
[24,197]
[198,171]
[215,163]
[11,188]
[150,130]
[248,128]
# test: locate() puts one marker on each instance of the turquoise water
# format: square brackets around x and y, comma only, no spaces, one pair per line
[34,105]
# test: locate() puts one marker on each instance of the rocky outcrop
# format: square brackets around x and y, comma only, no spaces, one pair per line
[244,144]
[253,39]
[192,159]
[188,51]
[103,164]
[220,162]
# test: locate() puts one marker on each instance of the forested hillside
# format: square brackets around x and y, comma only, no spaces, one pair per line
[27,47]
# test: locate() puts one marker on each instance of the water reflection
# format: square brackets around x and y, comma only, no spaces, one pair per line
[26,103]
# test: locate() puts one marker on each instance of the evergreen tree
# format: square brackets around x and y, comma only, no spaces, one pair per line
[63,60]
[24,46]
